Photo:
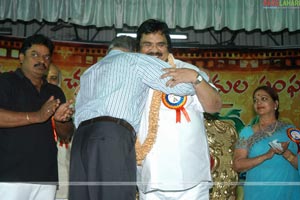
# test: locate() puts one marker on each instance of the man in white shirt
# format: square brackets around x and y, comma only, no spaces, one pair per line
[172,149]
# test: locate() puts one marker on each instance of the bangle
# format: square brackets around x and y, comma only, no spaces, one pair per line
[27,117]
[260,159]
[290,158]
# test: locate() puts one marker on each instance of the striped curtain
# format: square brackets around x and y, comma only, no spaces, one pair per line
[201,14]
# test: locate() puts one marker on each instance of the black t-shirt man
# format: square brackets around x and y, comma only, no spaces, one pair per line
[27,153]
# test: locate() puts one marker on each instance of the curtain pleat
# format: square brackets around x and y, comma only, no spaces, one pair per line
[200,14]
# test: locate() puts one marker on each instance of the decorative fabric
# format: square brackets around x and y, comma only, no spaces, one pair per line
[259,135]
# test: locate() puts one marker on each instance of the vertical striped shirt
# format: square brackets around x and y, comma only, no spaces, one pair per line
[118,86]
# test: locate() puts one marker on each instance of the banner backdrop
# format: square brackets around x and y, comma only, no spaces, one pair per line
[235,72]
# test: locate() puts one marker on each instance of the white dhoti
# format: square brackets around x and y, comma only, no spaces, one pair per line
[27,191]
[199,192]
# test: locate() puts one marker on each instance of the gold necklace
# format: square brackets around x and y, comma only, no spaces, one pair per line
[268,132]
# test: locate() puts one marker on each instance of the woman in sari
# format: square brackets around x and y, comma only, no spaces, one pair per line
[271,172]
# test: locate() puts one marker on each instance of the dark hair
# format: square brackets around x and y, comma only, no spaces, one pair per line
[125,42]
[153,26]
[37,39]
[273,94]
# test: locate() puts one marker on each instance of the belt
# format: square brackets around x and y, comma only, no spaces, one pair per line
[122,122]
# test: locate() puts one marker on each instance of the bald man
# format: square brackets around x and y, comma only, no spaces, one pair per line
[54,75]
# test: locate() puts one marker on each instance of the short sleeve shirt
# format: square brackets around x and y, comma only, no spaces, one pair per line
[27,153]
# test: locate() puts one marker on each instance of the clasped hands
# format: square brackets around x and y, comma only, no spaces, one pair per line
[60,112]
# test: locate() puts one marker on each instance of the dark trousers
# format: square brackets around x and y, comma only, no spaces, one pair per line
[103,163]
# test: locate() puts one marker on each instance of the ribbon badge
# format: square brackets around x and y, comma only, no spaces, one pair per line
[177,103]
[294,135]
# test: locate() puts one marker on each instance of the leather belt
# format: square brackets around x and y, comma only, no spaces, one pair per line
[122,122]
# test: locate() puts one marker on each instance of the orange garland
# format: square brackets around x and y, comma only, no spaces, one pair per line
[143,149]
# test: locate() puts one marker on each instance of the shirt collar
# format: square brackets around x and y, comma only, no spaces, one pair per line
[20,73]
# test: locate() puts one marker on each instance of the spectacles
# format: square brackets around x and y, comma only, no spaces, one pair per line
[36,56]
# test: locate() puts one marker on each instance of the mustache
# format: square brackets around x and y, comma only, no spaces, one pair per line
[155,54]
[40,65]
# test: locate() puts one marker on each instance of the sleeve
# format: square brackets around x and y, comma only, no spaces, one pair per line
[242,142]
[57,92]
[150,69]
[61,96]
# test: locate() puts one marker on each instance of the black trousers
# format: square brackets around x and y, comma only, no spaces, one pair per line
[103,163]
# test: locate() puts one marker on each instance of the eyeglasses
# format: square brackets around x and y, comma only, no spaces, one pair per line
[36,56]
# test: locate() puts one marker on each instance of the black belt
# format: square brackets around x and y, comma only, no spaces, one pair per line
[122,122]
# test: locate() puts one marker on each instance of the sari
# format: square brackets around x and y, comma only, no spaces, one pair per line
[275,178]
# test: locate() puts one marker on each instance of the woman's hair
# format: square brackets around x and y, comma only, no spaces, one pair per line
[153,26]
[273,94]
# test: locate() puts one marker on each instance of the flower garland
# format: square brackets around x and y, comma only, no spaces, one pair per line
[143,149]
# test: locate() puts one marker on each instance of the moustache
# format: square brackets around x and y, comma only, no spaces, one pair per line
[155,54]
[40,65]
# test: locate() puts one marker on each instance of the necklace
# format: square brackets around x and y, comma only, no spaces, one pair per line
[142,150]
[266,130]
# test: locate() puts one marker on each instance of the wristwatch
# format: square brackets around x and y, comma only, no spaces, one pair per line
[199,79]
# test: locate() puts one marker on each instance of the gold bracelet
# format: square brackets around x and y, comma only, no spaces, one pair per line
[27,117]
[290,158]
[260,159]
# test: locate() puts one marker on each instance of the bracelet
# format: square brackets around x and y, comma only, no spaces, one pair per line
[290,158]
[260,159]
[27,117]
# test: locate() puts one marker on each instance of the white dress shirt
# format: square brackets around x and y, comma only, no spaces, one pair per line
[180,157]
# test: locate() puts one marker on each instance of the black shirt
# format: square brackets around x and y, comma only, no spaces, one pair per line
[27,153]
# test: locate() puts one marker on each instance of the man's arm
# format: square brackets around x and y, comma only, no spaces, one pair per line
[9,119]
[151,69]
[62,115]
[208,96]
[64,130]
[64,125]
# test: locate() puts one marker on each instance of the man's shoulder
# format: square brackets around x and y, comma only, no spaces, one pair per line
[8,76]
[56,91]
[183,64]
[54,87]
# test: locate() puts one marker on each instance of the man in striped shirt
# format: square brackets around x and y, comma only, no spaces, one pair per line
[108,110]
